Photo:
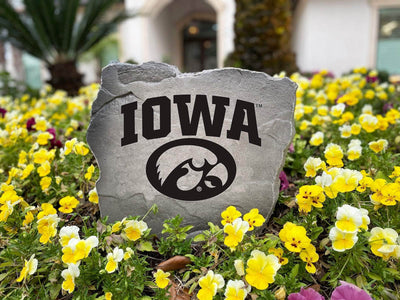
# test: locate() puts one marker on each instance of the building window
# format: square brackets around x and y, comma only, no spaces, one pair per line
[388,49]
[199,46]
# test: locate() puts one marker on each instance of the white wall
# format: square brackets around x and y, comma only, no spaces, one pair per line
[153,34]
[332,34]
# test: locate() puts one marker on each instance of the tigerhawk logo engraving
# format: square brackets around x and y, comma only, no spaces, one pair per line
[205,171]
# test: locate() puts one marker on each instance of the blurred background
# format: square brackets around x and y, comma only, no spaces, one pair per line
[269,36]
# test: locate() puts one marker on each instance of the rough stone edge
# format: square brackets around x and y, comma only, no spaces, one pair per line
[114,88]
[108,92]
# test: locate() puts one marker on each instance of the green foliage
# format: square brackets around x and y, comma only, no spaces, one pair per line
[175,242]
[51,30]
[263,36]
[319,262]
[55,32]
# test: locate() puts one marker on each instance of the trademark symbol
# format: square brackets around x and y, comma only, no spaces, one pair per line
[258,105]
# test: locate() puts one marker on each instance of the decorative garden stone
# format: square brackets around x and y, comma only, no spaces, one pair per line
[193,144]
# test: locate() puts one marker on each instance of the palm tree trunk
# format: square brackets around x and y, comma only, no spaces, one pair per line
[65,76]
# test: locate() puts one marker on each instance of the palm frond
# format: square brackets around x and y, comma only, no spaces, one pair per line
[91,20]
[52,31]
[18,31]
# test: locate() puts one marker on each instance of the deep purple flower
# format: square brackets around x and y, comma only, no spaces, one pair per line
[52,131]
[54,142]
[284,181]
[387,107]
[348,291]
[3,112]
[57,144]
[372,79]
[306,294]
[29,124]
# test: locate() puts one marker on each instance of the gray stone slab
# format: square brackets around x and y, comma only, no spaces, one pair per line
[234,157]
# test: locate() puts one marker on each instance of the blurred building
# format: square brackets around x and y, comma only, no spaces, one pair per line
[198,34]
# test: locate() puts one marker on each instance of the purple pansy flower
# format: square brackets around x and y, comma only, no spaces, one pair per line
[284,181]
[306,294]
[29,124]
[348,291]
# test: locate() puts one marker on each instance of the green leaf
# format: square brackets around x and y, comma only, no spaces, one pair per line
[146,246]
[194,285]
[199,238]
[6,264]
[374,276]
[186,276]
[54,290]
[2,276]
[294,271]
[315,232]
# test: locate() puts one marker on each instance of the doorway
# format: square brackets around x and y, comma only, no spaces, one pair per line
[199,45]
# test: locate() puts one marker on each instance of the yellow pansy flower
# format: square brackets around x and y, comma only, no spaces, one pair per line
[161,278]
[47,209]
[6,210]
[239,267]
[317,138]
[43,138]
[396,172]
[346,180]
[28,218]
[29,268]
[134,229]
[41,124]
[308,196]
[334,154]
[378,146]
[310,256]
[229,215]
[355,129]
[44,169]
[69,276]
[93,196]
[235,232]
[261,269]
[369,94]
[312,165]
[113,259]
[27,171]
[337,110]
[368,122]
[364,184]
[209,284]
[384,242]
[349,98]
[89,172]
[69,146]
[390,194]
[342,241]
[254,218]
[47,227]
[349,219]
[235,290]
[39,157]
[80,149]
[294,237]
[67,204]
[22,158]
[67,233]
[278,252]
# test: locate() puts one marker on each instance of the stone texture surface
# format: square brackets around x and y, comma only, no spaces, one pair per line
[124,188]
